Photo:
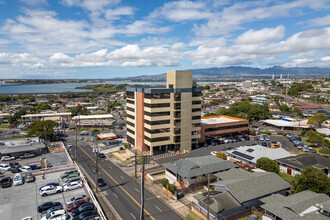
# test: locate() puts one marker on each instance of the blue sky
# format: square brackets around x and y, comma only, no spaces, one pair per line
[113,38]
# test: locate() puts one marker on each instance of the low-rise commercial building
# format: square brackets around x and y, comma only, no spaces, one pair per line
[18,147]
[222,125]
[260,99]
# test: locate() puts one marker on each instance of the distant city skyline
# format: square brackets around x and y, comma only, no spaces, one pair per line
[118,38]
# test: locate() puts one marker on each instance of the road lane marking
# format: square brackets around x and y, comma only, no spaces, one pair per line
[115,195]
[117,183]
[136,189]
[158,208]
[122,177]
[132,215]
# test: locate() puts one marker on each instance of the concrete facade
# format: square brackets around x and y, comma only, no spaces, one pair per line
[168,118]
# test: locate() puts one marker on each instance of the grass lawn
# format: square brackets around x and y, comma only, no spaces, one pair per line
[245,218]
[193,216]
[304,139]
[158,174]
[4,125]
[286,176]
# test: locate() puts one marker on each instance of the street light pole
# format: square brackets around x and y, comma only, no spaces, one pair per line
[208,196]
[75,148]
[142,189]
[97,164]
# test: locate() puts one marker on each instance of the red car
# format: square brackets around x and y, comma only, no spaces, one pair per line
[76,204]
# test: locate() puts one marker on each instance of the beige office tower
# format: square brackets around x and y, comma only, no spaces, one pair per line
[273,77]
[163,119]
[281,77]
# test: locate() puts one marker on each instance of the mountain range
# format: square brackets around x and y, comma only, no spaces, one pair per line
[237,72]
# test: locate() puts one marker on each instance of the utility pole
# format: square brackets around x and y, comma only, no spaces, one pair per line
[135,157]
[75,148]
[142,190]
[208,196]
[96,150]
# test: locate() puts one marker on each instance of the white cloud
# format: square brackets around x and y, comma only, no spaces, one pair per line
[260,36]
[114,14]
[35,2]
[182,11]
[22,59]
[316,22]
[91,5]
[325,58]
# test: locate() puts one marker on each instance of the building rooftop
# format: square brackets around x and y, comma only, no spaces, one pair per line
[245,186]
[218,119]
[296,206]
[303,160]
[197,166]
[86,117]
[162,90]
[253,153]
[310,107]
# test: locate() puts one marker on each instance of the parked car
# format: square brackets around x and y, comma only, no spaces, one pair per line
[54,215]
[71,175]
[49,184]
[68,172]
[81,138]
[14,165]
[7,158]
[256,138]
[49,190]
[69,145]
[29,177]
[213,143]
[35,166]
[102,155]
[73,199]
[27,218]
[101,182]
[5,167]
[15,170]
[51,209]
[82,208]
[73,185]
[246,138]
[25,168]
[264,144]
[214,153]
[43,207]
[119,136]
[86,215]
[76,204]
[18,179]
[70,180]
[261,138]
[24,156]
[5,182]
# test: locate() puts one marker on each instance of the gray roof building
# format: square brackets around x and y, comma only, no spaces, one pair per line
[245,186]
[220,201]
[198,166]
[302,205]
[303,160]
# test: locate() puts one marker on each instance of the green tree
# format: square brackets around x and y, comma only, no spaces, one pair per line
[314,137]
[165,182]
[95,131]
[43,129]
[42,106]
[284,108]
[317,119]
[14,118]
[267,164]
[313,179]
[206,87]
[172,188]
[210,114]
[325,151]
[298,113]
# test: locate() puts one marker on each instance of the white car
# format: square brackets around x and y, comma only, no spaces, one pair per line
[73,185]
[7,158]
[27,218]
[214,153]
[69,145]
[58,215]
[49,190]
[4,167]
[25,169]
[18,180]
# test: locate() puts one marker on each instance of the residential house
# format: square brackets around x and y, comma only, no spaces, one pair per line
[293,165]
[238,189]
[195,169]
[304,205]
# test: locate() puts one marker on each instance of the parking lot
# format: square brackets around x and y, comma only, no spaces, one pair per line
[20,201]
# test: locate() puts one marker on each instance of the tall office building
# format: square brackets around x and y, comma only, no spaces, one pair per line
[161,119]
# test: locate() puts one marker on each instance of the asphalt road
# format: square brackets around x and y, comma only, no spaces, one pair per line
[122,191]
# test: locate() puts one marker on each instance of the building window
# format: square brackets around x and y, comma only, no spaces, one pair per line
[177,114]
[226,127]
[170,86]
[130,101]
[131,124]
[177,96]
[197,94]
[177,139]
[130,94]
[157,131]
[195,132]
[154,114]
[196,125]
[152,140]
[130,140]
[130,116]
[161,105]
[196,102]
[196,110]
[177,106]
[130,131]
[130,109]
[157,95]
[159,122]
[196,117]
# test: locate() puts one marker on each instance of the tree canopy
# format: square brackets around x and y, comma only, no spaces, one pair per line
[253,111]
[43,129]
[313,179]
[314,137]
[267,164]
[284,108]
[317,119]
[42,106]
[299,87]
